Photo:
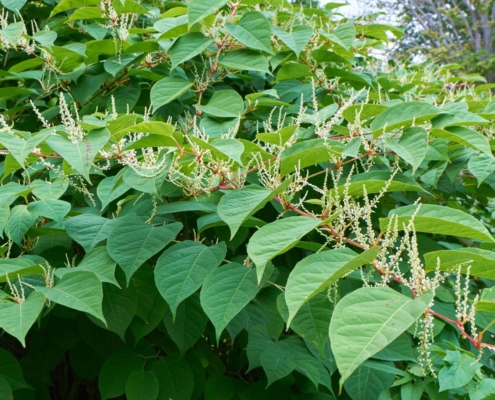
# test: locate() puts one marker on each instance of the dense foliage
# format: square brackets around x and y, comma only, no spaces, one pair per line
[214,200]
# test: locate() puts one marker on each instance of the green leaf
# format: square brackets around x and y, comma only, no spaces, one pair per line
[460,370]
[219,387]
[277,362]
[465,136]
[5,390]
[142,385]
[46,190]
[344,35]
[17,318]
[316,272]
[253,30]
[481,261]
[80,291]
[278,138]
[19,147]
[11,371]
[14,5]
[481,166]
[293,71]
[297,39]
[168,89]
[4,216]
[187,47]
[19,222]
[403,114]
[152,127]
[278,237]
[375,182]
[97,261]
[80,155]
[119,306]
[231,148]
[237,206]
[368,382]
[440,220]
[411,146]
[132,242]
[247,60]
[89,230]
[53,209]
[356,334]
[149,180]
[399,350]
[224,104]
[226,291]
[116,371]
[175,379]
[188,323]
[110,189]
[181,270]
[200,9]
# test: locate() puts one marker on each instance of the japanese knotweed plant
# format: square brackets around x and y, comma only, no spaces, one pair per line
[235,200]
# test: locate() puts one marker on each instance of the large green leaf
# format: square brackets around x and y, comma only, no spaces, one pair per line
[80,291]
[225,104]
[168,89]
[80,155]
[440,220]
[89,230]
[237,206]
[481,166]
[465,136]
[97,261]
[368,381]
[53,209]
[11,371]
[356,334]
[142,385]
[116,371]
[315,273]
[375,182]
[277,362]
[344,35]
[132,242]
[276,238]
[17,318]
[200,9]
[226,291]
[411,146]
[19,147]
[296,39]
[188,323]
[181,270]
[175,379]
[460,370]
[480,261]
[187,47]
[20,220]
[248,60]
[403,114]
[253,30]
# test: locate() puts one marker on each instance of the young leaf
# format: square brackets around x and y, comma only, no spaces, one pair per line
[356,334]
[132,242]
[181,270]
[276,238]
[17,318]
[80,291]
[440,220]
[316,272]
